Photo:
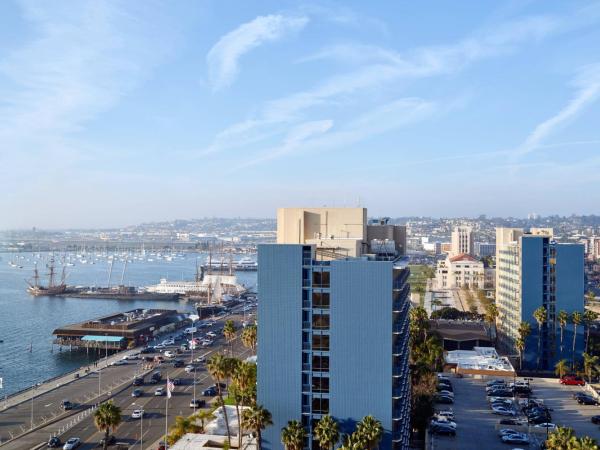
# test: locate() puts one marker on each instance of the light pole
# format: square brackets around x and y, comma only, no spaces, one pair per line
[194,368]
[32,395]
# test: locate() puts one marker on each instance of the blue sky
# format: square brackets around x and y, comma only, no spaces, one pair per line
[114,113]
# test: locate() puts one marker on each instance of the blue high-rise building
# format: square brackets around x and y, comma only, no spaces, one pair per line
[532,271]
[333,339]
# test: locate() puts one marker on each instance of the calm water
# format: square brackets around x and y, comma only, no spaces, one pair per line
[27,322]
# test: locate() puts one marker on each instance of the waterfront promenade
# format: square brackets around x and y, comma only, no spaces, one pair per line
[114,382]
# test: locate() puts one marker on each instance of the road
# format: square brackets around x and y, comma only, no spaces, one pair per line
[117,380]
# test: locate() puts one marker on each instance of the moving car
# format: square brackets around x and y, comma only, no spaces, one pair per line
[137,414]
[110,441]
[54,442]
[170,354]
[66,405]
[72,443]
[572,380]
[197,403]
[159,392]
[190,368]
[138,381]
[210,392]
[586,400]
[137,393]
[596,419]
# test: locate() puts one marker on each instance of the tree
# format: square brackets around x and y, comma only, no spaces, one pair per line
[371,430]
[576,319]
[182,426]
[563,320]
[584,443]
[561,368]
[589,317]
[491,316]
[218,366]
[249,336]
[257,419]
[243,376]
[326,432]
[419,324]
[203,415]
[293,435]
[524,332]
[106,418]
[589,365]
[354,441]
[229,333]
[560,439]
[589,297]
[540,316]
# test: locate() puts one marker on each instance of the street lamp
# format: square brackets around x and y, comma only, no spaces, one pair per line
[32,395]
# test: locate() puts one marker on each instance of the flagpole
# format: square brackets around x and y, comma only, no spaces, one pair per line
[167,416]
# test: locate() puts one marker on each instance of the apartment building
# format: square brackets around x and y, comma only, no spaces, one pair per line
[333,339]
[462,241]
[532,270]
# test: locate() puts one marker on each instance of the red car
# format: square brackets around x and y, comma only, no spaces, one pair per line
[572,380]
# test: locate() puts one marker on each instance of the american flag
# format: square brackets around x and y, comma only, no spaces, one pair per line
[170,387]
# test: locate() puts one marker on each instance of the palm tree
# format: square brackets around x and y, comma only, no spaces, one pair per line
[589,317]
[491,316]
[203,415]
[229,333]
[561,368]
[249,336]
[326,433]
[589,365]
[584,443]
[293,435]
[371,430]
[182,426]
[560,439]
[524,332]
[106,418]
[257,419]
[218,366]
[242,377]
[354,441]
[576,319]
[540,315]
[563,320]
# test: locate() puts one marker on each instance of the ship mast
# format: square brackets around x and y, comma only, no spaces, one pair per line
[123,273]
[36,276]
[51,273]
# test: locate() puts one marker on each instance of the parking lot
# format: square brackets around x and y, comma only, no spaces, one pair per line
[477,426]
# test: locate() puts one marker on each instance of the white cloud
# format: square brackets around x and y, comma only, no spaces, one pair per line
[588,91]
[223,57]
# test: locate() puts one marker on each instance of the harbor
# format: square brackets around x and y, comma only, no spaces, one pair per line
[29,355]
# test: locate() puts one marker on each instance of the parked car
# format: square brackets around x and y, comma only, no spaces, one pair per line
[443,429]
[572,380]
[521,439]
[197,403]
[446,392]
[507,432]
[178,363]
[586,400]
[170,354]
[137,414]
[595,419]
[137,393]
[444,399]
[119,362]
[549,425]
[440,421]
[72,443]
[54,442]
[138,381]
[510,422]
[447,414]
[147,350]
[503,411]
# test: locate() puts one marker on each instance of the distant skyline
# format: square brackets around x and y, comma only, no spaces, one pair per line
[117,113]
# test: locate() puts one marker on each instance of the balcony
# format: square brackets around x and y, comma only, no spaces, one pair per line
[306,325]
[306,367]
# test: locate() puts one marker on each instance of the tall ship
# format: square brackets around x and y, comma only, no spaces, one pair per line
[36,289]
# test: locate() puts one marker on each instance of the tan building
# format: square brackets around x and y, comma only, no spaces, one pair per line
[458,271]
[339,231]
[462,241]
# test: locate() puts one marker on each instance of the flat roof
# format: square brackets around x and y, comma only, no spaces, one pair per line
[479,359]
[102,338]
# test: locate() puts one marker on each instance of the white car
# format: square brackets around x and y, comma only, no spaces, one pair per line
[159,392]
[169,342]
[446,392]
[503,411]
[201,359]
[550,426]
[211,334]
[189,368]
[170,354]
[137,414]
[159,346]
[72,443]
[445,414]
[118,362]
[131,357]
[444,422]
[207,343]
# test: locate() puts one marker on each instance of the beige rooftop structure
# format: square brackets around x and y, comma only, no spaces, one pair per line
[340,232]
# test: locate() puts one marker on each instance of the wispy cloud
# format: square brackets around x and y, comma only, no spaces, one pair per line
[223,57]
[379,68]
[321,136]
[587,84]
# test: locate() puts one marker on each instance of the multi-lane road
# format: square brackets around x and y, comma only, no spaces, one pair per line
[116,382]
